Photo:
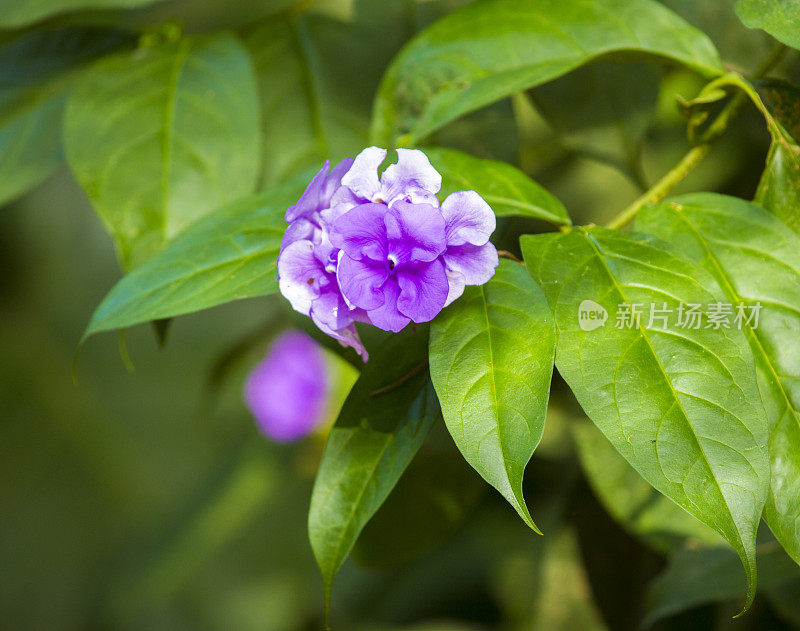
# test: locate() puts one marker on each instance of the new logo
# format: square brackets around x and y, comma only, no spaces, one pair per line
[591,315]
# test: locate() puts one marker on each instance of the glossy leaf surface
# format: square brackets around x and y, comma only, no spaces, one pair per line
[681,405]
[369,447]
[491,357]
[756,261]
[488,50]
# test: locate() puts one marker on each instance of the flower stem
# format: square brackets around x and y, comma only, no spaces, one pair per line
[696,154]
[396,384]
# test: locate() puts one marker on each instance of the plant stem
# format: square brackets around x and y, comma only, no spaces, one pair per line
[662,188]
[696,154]
[396,384]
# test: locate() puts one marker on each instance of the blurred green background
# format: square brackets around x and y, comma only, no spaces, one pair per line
[148,500]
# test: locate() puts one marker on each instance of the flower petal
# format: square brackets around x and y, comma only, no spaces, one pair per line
[300,275]
[469,218]
[330,309]
[334,180]
[412,179]
[457,285]
[475,262]
[288,391]
[362,178]
[415,232]
[309,201]
[299,229]
[361,232]
[361,281]
[387,316]
[423,290]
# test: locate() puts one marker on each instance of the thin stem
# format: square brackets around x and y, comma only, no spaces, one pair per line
[505,254]
[396,384]
[696,154]
[662,188]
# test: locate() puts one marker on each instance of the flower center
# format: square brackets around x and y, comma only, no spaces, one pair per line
[392,261]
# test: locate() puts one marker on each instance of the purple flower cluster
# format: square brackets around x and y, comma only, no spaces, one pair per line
[384,251]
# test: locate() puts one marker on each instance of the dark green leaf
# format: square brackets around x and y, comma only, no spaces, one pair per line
[229,254]
[603,111]
[506,189]
[779,18]
[779,189]
[698,577]
[630,500]
[15,13]
[373,441]
[680,404]
[756,261]
[782,99]
[38,69]
[488,50]
[162,135]
[491,360]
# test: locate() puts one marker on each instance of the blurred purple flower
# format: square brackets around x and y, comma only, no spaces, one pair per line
[381,250]
[288,391]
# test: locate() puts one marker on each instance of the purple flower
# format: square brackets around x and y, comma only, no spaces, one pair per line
[288,391]
[381,250]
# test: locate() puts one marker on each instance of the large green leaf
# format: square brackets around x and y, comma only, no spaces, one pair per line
[491,357]
[492,48]
[698,577]
[506,189]
[630,500]
[373,441]
[38,68]
[680,404]
[756,261]
[15,13]
[160,136]
[779,18]
[227,255]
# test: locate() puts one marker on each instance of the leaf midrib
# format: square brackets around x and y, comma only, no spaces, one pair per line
[168,126]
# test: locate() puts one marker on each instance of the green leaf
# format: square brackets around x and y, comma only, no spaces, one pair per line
[227,255]
[698,577]
[756,261]
[491,357]
[641,510]
[603,110]
[162,135]
[15,13]
[369,447]
[779,188]
[489,50]
[680,404]
[506,189]
[38,70]
[779,18]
